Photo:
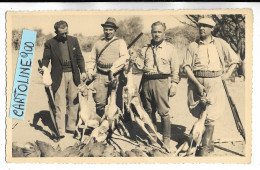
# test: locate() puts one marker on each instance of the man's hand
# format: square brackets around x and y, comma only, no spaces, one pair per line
[110,75]
[89,75]
[173,89]
[112,81]
[201,89]
[225,76]
[229,72]
[83,76]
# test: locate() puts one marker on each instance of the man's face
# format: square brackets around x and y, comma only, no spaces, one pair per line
[158,33]
[62,32]
[205,30]
[109,32]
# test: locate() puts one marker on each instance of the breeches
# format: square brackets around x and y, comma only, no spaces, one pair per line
[154,95]
[103,92]
[215,94]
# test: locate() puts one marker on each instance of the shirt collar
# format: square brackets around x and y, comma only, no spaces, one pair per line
[161,45]
[211,41]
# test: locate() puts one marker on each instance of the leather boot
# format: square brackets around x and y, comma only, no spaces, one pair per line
[206,142]
[166,142]
[154,140]
[166,130]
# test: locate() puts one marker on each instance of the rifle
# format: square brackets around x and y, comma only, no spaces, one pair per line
[52,107]
[238,122]
[126,97]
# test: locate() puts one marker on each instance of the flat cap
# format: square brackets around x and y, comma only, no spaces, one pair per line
[207,21]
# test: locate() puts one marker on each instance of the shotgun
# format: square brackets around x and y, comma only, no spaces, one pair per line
[52,107]
[238,122]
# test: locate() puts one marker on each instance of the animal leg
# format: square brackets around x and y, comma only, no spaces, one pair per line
[83,131]
[77,134]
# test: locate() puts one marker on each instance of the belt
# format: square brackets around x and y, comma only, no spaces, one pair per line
[103,68]
[104,72]
[101,65]
[156,76]
[207,74]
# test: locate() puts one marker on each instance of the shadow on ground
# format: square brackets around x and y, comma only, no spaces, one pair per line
[177,132]
[45,117]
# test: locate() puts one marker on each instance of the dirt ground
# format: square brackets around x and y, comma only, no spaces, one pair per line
[181,119]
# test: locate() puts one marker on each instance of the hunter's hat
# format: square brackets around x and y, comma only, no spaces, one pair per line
[110,22]
[207,21]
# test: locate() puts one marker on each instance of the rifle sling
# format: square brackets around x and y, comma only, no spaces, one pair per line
[105,48]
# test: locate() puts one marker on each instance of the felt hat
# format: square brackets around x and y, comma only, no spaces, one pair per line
[110,22]
[207,21]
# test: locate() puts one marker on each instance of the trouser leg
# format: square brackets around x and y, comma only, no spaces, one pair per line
[100,97]
[60,105]
[73,103]
[161,91]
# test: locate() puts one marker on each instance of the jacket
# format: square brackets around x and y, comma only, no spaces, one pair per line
[52,52]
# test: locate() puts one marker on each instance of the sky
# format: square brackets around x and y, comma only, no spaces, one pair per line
[88,25]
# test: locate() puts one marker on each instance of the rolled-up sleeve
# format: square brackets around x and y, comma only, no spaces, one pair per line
[123,57]
[188,58]
[230,56]
[174,66]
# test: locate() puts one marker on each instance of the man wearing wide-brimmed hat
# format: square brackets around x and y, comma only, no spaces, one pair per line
[204,64]
[108,56]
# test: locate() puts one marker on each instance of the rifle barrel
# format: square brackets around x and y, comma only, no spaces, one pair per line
[132,43]
[238,122]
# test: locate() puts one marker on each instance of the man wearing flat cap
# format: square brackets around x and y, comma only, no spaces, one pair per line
[108,57]
[205,63]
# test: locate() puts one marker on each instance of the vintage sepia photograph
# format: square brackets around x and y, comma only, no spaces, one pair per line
[171,84]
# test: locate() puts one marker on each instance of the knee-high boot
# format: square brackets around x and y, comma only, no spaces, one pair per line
[206,142]
[166,130]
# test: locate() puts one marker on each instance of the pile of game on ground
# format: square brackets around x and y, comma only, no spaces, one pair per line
[43,149]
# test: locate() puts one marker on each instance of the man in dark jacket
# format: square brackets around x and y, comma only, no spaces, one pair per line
[67,63]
